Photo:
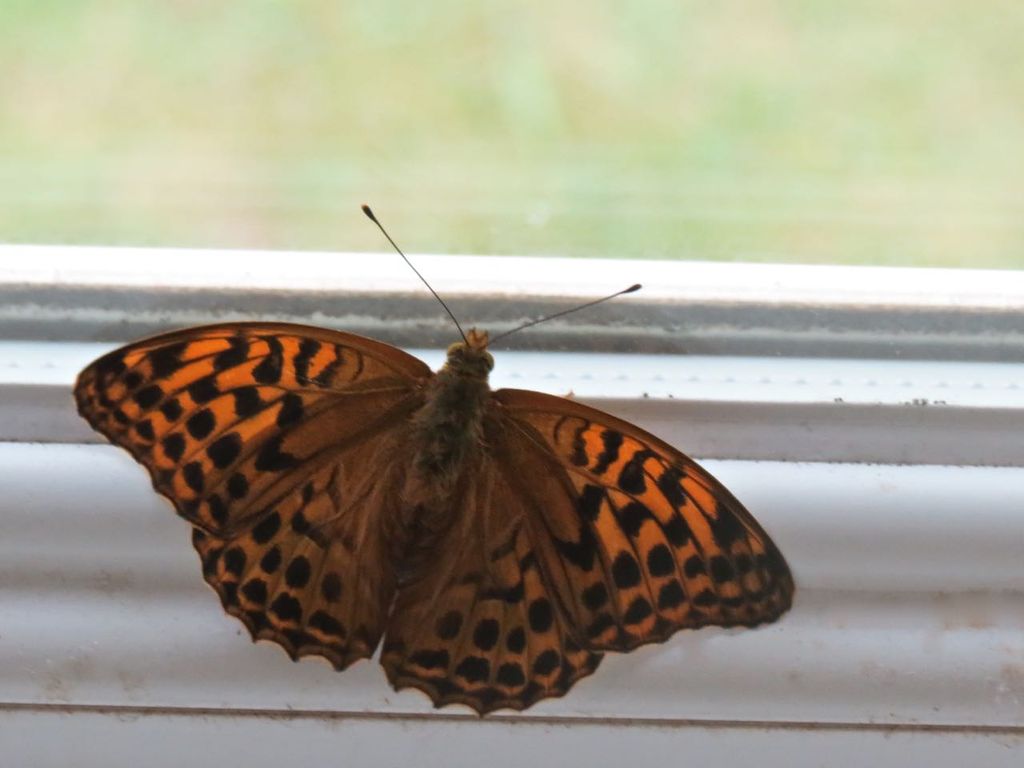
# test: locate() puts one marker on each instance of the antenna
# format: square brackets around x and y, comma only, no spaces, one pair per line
[518,328]
[371,217]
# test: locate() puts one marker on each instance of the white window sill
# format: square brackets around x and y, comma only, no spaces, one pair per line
[895,487]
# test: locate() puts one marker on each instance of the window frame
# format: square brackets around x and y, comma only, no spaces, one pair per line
[887,471]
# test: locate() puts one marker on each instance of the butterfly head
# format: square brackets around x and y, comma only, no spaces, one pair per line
[470,357]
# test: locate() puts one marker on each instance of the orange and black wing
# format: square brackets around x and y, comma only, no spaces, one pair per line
[277,442]
[634,539]
[479,625]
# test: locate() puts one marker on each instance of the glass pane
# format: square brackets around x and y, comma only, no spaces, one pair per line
[803,131]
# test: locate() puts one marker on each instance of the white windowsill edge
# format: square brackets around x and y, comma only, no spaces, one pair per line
[525,276]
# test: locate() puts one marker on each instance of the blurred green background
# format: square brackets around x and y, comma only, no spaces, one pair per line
[802,131]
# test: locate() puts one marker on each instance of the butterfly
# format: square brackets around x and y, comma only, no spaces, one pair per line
[500,542]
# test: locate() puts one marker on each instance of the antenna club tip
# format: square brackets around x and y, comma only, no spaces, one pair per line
[368,212]
[633,288]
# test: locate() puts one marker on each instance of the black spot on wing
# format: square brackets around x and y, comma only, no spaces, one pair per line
[272,459]
[218,509]
[677,531]
[327,624]
[194,476]
[201,424]
[485,635]
[721,569]
[111,364]
[694,566]
[632,477]
[515,640]
[132,379]
[547,662]
[238,486]
[632,517]
[234,560]
[225,449]
[581,553]
[660,561]
[510,595]
[291,410]
[255,590]
[511,675]
[298,572]
[670,485]
[705,598]
[171,409]
[247,401]
[299,523]
[173,446]
[286,607]
[726,528]
[266,528]
[149,396]
[229,593]
[203,390]
[145,429]
[637,611]
[540,615]
[612,442]
[579,447]
[166,360]
[625,571]
[430,659]
[271,560]
[236,354]
[270,367]
[101,395]
[474,669]
[600,625]
[589,504]
[308,349]
[595,596]
[671,596]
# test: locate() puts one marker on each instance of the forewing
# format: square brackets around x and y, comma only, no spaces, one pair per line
[277,442]
[479,626]
[635,539]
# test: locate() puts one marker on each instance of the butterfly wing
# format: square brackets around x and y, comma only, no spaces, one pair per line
[263,436]
[479,627]
[634,539]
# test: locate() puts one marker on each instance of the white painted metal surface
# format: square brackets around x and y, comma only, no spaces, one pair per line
[54,737]
[58,293]
[910,615]
[509,275]
[103,604]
